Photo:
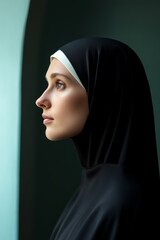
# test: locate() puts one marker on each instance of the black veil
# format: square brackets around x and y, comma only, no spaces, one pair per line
[119,194]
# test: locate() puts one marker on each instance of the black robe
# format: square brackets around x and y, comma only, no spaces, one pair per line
[119,194]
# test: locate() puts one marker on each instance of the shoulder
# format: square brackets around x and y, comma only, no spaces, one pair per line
[123,192]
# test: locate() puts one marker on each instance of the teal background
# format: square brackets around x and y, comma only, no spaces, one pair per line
[12,21]
[51,171]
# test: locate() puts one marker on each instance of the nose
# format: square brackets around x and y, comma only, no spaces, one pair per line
[43,102]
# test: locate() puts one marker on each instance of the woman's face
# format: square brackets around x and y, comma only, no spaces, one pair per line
[65,101]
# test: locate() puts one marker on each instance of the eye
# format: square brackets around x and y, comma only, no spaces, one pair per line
[60,85]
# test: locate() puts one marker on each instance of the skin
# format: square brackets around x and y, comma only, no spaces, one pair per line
[64,100]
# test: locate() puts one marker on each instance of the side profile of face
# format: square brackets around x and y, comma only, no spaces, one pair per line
[64,103]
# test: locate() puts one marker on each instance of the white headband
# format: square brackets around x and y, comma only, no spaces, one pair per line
[63,59]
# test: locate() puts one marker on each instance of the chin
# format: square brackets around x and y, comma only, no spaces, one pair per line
[57,137]
[52,138]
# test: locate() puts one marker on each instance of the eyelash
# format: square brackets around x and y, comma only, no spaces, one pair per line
[60,83]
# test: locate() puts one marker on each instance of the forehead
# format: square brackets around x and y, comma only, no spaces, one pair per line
[57,67]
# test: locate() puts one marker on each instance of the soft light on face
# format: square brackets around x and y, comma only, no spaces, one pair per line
[65,101]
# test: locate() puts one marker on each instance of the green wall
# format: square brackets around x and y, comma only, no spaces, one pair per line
[12,22]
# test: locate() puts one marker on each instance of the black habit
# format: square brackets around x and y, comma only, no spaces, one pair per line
[118,197]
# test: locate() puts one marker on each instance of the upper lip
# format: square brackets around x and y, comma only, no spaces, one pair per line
[46,117]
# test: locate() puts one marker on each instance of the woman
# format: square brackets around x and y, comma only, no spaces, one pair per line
[103,102]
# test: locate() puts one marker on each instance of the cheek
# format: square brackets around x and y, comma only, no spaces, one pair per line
[73,105]
[72,111]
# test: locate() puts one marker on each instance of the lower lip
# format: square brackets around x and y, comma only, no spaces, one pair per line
[45,121]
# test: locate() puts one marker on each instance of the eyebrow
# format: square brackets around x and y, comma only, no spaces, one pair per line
[53,75]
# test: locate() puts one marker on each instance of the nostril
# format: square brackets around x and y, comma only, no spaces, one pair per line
[42,103]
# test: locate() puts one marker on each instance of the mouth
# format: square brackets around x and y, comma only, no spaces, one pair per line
[47,119]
